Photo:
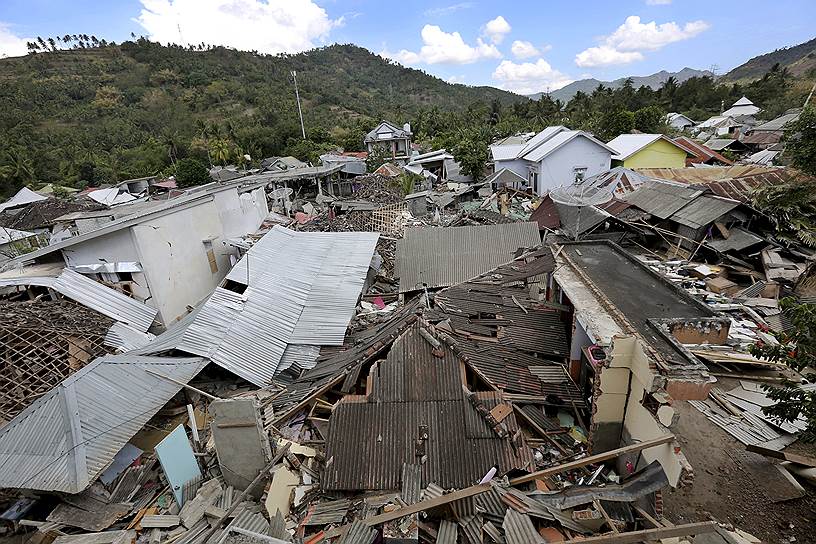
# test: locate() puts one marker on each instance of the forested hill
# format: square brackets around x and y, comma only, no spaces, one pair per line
[800,60]
[123,108]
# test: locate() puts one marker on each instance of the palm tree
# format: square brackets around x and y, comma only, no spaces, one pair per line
[221,150]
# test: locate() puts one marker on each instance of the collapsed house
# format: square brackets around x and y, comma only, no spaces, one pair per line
[169,255]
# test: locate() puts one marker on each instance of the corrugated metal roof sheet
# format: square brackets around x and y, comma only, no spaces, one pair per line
[519,529]
[94,295]
[359,533]
[737,240]
[439,257]
[415,390]
[701,153]
[448,532]
[64,439]
[619,180]
[703,210]
[303,288]
[662,199]
[560,139]
[126,338]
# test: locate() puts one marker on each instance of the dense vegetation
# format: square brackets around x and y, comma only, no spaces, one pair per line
[105,112]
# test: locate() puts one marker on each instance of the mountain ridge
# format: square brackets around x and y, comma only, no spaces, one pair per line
[800,60]
[654,81]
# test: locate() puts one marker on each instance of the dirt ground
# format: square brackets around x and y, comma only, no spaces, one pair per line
[732,485]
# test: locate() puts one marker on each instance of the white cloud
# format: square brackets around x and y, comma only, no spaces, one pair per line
[447,10]
[456,79]
[529,77]
[630,39]
[10,44]
[263,25]
[524,50]
[440,47]
[496,29]
[658,2]
[605,55]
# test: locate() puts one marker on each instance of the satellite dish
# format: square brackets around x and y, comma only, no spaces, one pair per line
[281,193]
[579,195]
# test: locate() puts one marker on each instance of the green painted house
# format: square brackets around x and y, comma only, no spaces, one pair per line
[647,151]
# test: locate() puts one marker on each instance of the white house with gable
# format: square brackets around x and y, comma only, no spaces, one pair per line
[554,157]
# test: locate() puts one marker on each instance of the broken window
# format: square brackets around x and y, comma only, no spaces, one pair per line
[579,172]
[650,403]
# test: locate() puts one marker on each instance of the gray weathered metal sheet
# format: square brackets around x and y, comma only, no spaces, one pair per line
[302,289]
[703,211]
[358,533]
[448,532]
[737,240]
[519,529]
[662,199]
[63,440]
[126,338]
[94,295]
[439,257]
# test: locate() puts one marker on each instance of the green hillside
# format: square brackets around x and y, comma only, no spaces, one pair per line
[800,60]
[133,109]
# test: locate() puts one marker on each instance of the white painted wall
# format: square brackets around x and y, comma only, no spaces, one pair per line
[117,246]
[519,166]
[174,259]
[557,169]
[243,213]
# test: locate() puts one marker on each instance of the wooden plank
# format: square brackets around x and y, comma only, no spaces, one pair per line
[501,411]
[160,521]
[650,534]
[414,508]
[792,457]
[593,459]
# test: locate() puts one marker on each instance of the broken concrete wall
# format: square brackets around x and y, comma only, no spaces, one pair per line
[240,441]
[700,331]
[620,416]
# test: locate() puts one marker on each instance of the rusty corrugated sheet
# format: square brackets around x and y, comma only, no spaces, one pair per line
[415,391]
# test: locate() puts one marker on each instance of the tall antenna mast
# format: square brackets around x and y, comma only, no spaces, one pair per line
[300,112]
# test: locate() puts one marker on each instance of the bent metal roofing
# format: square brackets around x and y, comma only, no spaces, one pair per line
[439,257]
[417,395]
[67,437]
[301,288]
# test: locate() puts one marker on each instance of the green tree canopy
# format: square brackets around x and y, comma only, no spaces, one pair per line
[190,172]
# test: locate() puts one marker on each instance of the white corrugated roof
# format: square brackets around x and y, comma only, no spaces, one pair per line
[92,294]
[627,145]
[540,138]
[67,437]
[23,196]
[559,139]
[505,152]
[302,288]
[9,235]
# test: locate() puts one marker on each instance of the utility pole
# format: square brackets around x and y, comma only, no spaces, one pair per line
[300,112]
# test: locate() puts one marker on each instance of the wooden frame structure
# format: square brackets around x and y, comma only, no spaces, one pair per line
[41,344]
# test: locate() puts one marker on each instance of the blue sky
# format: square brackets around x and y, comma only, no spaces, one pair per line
[524,46]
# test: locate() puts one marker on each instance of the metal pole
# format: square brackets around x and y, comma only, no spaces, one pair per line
[300,112]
